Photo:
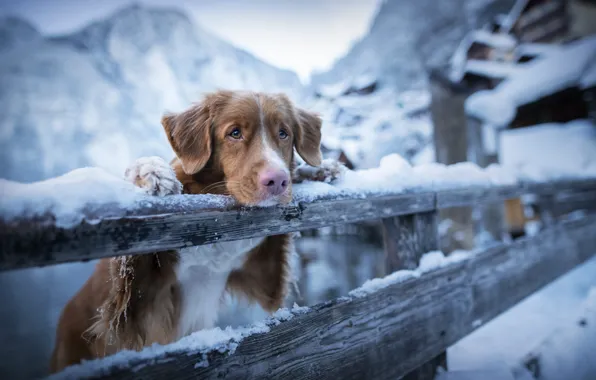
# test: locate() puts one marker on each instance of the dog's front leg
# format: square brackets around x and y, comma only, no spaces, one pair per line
[154,175]
[136,282]
[329,171]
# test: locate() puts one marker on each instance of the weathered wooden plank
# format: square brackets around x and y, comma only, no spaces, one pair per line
[476,195]
[473,195]
[565,202]
[390,332]
[450,138]
[108,231]
[406,239]
[25,244]
[483,150]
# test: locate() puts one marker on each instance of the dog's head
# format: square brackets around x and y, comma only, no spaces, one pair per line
[246,140]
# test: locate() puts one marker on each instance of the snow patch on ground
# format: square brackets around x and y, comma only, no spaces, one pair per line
[509,337]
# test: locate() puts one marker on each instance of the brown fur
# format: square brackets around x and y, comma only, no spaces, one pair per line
[132,302]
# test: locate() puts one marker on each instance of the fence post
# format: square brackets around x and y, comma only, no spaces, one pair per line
[450,137]
[483,150]
[406,239]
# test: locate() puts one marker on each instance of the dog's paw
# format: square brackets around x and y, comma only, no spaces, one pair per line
[328,171]
[154,175]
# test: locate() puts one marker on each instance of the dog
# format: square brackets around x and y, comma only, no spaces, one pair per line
[231,143]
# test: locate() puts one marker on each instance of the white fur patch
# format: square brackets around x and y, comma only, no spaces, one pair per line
[156,176]
[271,156]
[202,273]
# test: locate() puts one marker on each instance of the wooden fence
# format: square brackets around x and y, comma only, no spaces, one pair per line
[401,327]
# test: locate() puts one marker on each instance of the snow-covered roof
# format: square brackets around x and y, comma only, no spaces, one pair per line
[502,42]
[539,149]
[535,48]
[561,68]
[496,40]
[491,69]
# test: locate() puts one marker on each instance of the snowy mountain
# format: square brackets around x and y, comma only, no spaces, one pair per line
[95,97]
[408,37]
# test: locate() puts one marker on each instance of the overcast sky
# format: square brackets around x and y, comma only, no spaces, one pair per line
[302,35]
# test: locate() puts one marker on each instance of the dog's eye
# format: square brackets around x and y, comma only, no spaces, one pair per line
[283,134]
[236,134]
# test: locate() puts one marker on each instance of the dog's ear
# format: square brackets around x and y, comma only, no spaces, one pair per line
[307,132]
[308,136]
[189,132]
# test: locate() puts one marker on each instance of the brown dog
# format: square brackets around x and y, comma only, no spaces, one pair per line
[235,143]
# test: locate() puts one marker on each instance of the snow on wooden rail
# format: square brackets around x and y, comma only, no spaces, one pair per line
[36,230]
[382,330]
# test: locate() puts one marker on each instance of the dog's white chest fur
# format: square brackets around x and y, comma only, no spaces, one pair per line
[202,273]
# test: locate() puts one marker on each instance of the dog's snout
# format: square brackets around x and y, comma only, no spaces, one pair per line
[274,181]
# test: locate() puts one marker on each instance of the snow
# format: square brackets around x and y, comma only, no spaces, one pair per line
[536,153]
[364,81]
[224,341]
[72,197]
[489,106]
[396,175]
[437,259]
[95,97]
[459,63]
[428,262]
[65,196]
[535,48]
[78,194]
[227,340]
[498,40]
[559,69]
[505,340]
[567,353]
[376,284]
[216,339]
[491,69]
[368,127]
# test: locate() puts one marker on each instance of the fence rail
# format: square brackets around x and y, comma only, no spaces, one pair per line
[386,333]
[399,329]
[111,231]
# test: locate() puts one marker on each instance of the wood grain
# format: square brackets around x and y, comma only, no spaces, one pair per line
[28,243]
[388,333]
[110,231]
[406,239]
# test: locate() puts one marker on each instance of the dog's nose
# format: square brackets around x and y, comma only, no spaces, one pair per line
[275,182]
